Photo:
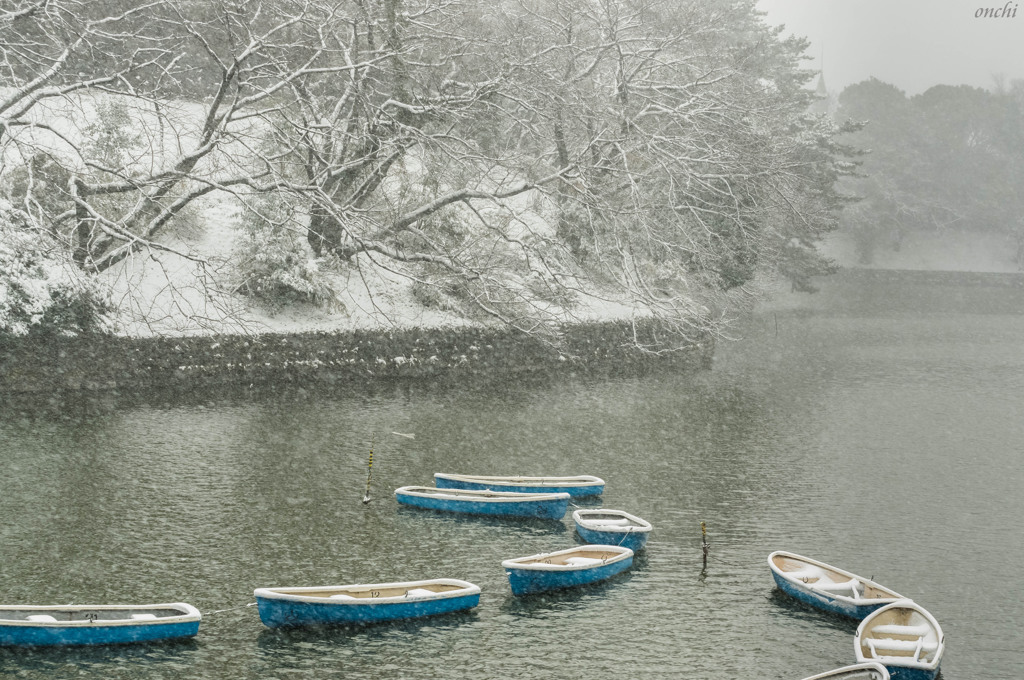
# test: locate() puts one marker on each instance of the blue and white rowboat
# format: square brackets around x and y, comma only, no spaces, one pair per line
[611,527]
[578,486]
[905,638]
[566,568]
[826,587]
[48,625]
[495,503]
[363,604]
[862,671]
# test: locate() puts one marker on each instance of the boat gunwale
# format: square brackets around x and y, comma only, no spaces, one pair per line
[895,597]
[643,525]
[576,481]
[295,594]
[482,495]
[188,613]
[866,665]
[517,562]
[901,661]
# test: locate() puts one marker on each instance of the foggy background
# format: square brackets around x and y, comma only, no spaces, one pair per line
[912,44]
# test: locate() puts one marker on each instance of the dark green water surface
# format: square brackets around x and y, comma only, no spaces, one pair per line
[877,426]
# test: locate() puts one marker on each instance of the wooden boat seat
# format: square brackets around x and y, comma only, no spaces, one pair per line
[582,561]
[896,629]
[807,572]
[419,592]
[40,618]
[143,617]
[598,523]
[879,646]
[833,587]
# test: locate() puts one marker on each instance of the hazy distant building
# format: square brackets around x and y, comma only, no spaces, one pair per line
[825,102]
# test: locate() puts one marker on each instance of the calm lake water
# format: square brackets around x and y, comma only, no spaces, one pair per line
[877,426]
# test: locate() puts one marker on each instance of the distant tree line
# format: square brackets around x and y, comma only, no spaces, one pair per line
[506,155]
[951,158]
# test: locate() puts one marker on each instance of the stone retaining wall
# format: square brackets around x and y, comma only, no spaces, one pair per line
[106,363]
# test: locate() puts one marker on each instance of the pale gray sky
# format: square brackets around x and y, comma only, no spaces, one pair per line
[912,44]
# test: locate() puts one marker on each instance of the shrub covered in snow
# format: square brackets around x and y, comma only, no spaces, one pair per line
[273,263]
[41,291]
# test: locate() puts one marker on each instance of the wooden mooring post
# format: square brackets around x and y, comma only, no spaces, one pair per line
[704,545]
[369,473]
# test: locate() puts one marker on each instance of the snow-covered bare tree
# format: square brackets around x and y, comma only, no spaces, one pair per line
[663,147]
[117,116]
[399,163]
[55,57]
[697,166]
[513,158]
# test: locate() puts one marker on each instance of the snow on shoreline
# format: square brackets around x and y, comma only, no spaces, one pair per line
[945,251]
[169,292]
[375,298]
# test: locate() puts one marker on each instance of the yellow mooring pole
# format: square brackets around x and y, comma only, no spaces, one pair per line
[369,473]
